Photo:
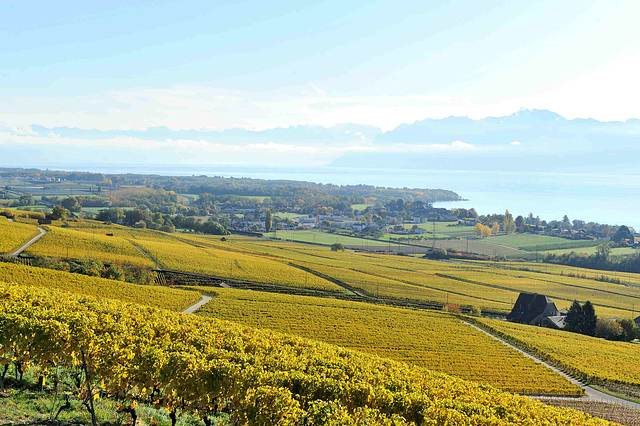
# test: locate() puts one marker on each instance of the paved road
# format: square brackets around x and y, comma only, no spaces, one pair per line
[28,244]
[591,394]
[191,309]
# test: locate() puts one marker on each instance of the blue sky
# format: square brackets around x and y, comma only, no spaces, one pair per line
[257,64]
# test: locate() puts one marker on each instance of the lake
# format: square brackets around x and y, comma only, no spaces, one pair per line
[611,199]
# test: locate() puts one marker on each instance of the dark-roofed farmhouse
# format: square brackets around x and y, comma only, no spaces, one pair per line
[537,309]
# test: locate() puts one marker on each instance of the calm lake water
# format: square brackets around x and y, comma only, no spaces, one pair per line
[612,199]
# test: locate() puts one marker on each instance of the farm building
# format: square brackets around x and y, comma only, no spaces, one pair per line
[537,309]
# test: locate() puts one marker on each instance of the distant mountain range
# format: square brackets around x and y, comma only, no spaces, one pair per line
[525,126]
[286,135]
[531,140]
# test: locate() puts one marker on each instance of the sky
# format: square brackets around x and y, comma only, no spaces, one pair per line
[258,65]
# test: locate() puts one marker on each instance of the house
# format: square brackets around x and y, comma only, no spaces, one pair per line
[537,309]
[637,321]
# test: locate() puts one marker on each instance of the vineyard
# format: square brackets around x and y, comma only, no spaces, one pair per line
[69,243]
[490,286]
[179,255]
[164,297]
[435,340]
[14,234]
[190,364]
[594,360]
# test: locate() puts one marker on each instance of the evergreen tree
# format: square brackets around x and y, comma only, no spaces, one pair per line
[589,319]
[574,318]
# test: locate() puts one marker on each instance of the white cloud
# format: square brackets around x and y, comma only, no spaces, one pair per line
[608,93]
[515,143]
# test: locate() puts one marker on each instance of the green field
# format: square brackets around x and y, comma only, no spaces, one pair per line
[289,215]
[617,251]
[255,198]
[361,207]
[534,242]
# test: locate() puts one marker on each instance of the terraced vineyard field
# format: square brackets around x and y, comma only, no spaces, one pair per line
[434,340]
[479,284]
[563,270]
[195,365]
[163,297]
[471,283]
[14,234]
[178,255]
[328,239]
[595,360]
[74,244]
[609,299]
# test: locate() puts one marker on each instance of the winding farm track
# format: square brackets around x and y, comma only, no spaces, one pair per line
[29,243]
[203,301]
[591,394]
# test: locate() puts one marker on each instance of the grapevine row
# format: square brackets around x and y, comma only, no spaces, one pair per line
[200,365]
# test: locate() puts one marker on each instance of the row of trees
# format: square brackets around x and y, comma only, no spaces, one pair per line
[619,235]
[583,319]
[601,260]
[140,218]
[491,225]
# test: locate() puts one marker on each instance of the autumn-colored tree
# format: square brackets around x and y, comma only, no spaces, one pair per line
[495,228]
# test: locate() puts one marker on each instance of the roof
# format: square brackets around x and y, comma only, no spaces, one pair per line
[530,307]
[557,321]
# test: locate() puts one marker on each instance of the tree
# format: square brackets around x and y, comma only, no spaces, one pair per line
[71,204]
[629,329]
[622,235]
[589,319]
[608,329]
[337,247]
[602,252]
[213,228]
[520,223]
[113,215]
[268,221]
[114,272]
[58,213]
[574,318]
[510,227]
[581,319]
[495,228]
[530,220]
[507,223]
[482,230]
[26,200]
